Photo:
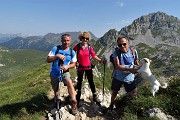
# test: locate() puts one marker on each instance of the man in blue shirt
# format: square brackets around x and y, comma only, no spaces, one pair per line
[61,57]
[124,72]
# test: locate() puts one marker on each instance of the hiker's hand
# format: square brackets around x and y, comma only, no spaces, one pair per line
[64,68]
[131,70]
[136,67]
[77,64]
[60,56]
[103,61]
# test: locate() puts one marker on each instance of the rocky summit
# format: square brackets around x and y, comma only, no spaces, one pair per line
[91,111]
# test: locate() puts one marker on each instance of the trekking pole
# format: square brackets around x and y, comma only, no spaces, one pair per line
[59,113]
[104,75]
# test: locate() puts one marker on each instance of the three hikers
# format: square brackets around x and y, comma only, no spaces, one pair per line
[123,73]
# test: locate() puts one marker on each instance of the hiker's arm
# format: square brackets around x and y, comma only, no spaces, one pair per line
[97,58]
[53,58]
[118,66]
[72,62]
[72,65]
[93,54]
[136,62]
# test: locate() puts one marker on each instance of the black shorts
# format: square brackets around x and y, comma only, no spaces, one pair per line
[129,87]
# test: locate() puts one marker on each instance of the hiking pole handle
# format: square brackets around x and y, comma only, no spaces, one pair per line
[60,64]
[104,57]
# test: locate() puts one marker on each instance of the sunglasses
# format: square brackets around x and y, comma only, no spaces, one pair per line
[84,38]
[120,45]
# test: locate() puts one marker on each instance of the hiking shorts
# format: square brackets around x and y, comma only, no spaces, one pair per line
[129,87]
[55,81]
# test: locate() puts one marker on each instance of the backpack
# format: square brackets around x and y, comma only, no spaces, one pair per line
[118,52]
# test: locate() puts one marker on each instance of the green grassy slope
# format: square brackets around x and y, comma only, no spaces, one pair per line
[18,62]
[25,97]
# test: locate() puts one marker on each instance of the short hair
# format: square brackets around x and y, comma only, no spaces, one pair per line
[85,34]
[65,35]
[119,38]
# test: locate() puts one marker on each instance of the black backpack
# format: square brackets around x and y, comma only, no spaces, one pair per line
[118,52]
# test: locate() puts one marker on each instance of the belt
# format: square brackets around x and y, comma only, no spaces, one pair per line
[80,66]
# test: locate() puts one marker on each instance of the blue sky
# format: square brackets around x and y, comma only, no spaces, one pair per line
[39,17]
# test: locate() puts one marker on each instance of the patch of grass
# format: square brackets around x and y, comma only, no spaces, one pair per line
[18,62]
[25,96]
[166,99]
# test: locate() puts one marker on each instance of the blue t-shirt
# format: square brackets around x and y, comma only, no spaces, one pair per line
[126,59]
[70,57]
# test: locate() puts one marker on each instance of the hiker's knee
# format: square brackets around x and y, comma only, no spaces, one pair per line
[69,84]
[114,93]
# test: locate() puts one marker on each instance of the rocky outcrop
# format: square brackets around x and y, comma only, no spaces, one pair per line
[91,111]
[109,37]
[154,28]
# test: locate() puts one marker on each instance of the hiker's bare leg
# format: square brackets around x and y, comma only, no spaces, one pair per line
[113,96]
[71,90]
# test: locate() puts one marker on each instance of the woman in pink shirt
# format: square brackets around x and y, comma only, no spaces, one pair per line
[84,51]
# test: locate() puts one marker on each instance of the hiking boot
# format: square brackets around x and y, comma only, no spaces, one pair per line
[111,107]
[52,105]
[79,104]
[74,107]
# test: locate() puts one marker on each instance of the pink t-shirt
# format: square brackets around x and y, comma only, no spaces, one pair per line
[83,56]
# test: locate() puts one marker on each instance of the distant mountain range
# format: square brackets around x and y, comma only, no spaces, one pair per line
[7,37]
[152,29]
[44,43]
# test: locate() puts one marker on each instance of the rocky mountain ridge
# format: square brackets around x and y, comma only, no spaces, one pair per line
[151,29]
[157,28]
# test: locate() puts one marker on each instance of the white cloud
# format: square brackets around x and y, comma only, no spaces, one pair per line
[127,21]
[119,4]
